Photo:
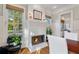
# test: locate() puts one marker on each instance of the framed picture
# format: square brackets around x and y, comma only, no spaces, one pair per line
[37,15]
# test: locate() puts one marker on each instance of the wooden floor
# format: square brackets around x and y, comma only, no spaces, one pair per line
[42,51]
[73,47]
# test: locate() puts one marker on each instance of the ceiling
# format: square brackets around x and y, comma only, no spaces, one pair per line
[55,7]
[51,9]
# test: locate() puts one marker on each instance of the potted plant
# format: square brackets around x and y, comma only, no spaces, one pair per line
[14,40]
[49,31]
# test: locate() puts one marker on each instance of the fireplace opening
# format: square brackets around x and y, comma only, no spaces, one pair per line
[38,39]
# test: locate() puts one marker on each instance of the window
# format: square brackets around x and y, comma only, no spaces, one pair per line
[49,19]
[14,21]
[15,16]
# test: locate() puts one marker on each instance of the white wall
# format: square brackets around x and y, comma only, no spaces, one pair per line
[36,28]
[1,30]
[38,7]
[57,25]
[1,24]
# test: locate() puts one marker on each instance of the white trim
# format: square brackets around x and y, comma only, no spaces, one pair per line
[65,12]
[71,18]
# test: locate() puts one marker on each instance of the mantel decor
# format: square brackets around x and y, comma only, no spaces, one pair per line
[37,15]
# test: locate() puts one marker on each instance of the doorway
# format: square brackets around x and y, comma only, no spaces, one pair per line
[66,22]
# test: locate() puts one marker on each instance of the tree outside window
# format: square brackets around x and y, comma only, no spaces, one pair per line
[14,21]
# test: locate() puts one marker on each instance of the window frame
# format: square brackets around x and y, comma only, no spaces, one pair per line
[15,32]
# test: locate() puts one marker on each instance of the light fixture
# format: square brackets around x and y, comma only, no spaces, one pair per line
[62,18]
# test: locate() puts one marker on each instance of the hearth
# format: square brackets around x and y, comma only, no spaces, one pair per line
[38,39]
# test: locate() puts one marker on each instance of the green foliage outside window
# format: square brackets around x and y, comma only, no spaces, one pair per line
[14,21]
